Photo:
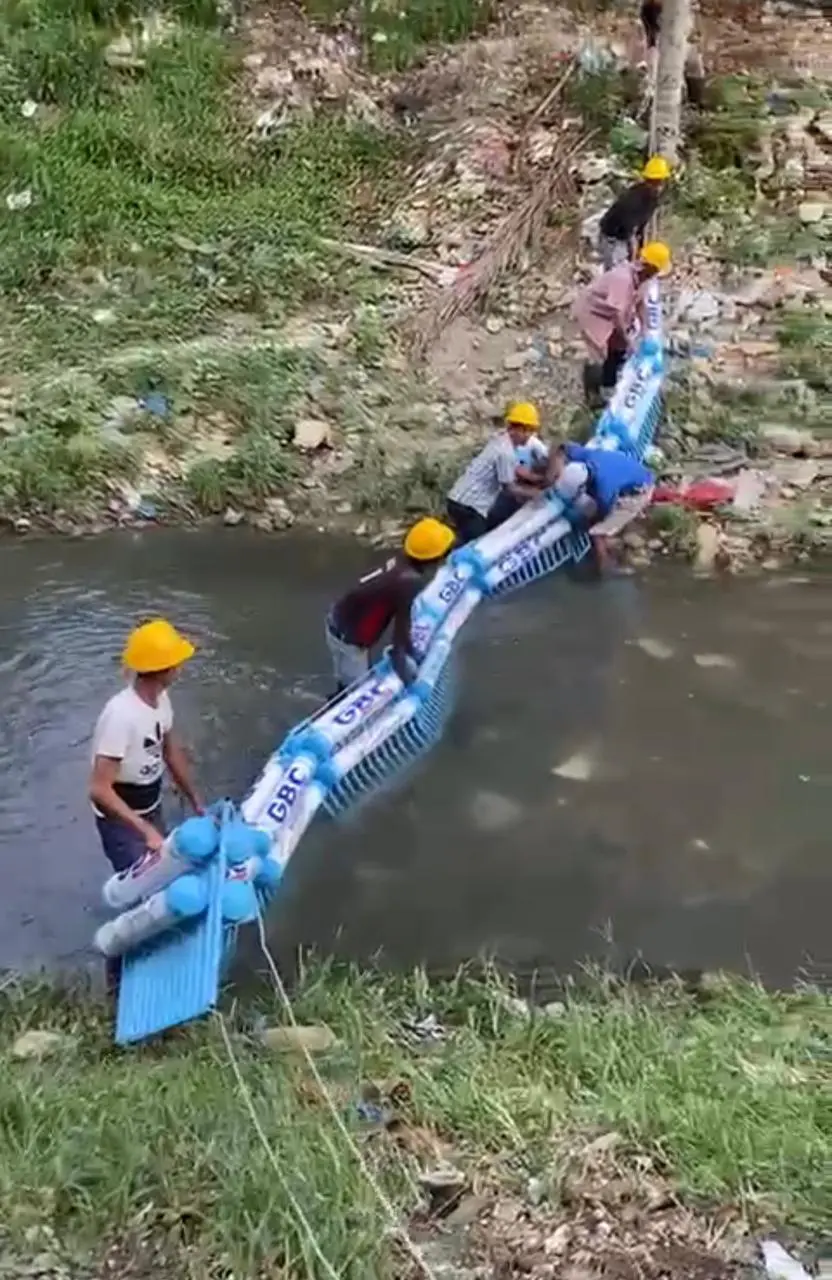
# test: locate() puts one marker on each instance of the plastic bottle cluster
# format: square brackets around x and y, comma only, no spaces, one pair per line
[172,886]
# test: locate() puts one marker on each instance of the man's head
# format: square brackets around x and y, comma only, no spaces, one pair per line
[155,651]
[656,172]
[427,543]
[522,420]
[570,477]
[654,259]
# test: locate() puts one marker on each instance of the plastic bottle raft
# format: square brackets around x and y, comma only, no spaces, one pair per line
[180,908]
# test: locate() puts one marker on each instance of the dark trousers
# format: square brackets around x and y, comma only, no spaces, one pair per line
[123,847]
[467,523]
[470,524]
[600,377]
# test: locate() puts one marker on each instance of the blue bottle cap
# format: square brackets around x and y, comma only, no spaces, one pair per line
[239,902]
[197,839]
[187,896]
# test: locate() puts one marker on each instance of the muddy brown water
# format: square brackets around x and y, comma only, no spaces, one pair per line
[696,716]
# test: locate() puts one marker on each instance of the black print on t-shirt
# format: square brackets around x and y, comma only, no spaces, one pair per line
[153,747]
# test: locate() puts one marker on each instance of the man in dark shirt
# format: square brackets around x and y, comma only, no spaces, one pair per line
[360,617]
[622,228]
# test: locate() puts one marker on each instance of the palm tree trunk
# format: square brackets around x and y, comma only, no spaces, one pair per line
[670,78]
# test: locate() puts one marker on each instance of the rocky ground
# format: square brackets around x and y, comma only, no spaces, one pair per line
[458,285]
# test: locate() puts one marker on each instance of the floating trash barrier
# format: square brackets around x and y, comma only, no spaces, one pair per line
[179,909]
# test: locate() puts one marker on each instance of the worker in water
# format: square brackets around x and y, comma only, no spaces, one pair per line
[604,490]
[606,312]
[132,744]
[358,620]
[622,228]
[489,490]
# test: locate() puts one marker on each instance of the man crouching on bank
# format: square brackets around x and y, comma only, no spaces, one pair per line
[604,490]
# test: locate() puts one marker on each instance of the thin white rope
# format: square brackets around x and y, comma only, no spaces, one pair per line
[397,1230]
[261,1133]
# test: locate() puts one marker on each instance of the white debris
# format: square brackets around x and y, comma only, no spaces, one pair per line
[578,768]
[491,811]
[655,648]
[29,109]
[17,200]
[715,660]
[781,1265]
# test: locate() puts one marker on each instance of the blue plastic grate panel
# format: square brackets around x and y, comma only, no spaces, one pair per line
[389,761]
[175,978]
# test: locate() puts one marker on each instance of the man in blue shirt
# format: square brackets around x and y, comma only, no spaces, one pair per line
[604,490]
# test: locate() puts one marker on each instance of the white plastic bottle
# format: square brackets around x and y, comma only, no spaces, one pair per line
[185,899]
[187,848]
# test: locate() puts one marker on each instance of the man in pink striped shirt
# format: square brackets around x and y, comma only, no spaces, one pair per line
[605,311]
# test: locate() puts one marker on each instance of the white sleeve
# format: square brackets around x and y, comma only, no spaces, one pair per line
[572,480]
[165,713]
[112,733]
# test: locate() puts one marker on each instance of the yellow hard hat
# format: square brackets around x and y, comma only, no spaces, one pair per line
[656,170]
[429,539]
[523,414]
[156,646]
[656,254]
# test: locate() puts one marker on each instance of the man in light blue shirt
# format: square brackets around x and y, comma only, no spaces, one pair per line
[604,490]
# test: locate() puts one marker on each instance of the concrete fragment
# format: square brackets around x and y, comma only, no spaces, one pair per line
[313,1039]
[37,1044]
[655,648]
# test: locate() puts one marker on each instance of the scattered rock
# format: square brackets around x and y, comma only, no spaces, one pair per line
[444,1186]
[749,491]
[555,1009]
[707,548]
[799,473]
[313,1039]
[261,521]
[22,525]
[518,359]
[312,433]
[655,648]
[232,518]
[39,1044]
[792,440]
[812,211]
[279,513]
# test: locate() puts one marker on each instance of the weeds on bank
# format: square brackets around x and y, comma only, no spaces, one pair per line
[153,217]
[727,1089]
[396,35]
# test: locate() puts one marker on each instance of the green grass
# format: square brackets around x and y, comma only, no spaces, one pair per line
[729,1093]
[155,218]
[395,36]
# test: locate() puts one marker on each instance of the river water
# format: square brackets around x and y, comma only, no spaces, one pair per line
[695,714]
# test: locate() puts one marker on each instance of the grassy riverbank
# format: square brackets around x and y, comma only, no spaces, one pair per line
[229,236]
[678,1118]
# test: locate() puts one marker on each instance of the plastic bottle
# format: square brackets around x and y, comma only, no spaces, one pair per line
[188,847]
[242,842]
[239,901]
[185,899]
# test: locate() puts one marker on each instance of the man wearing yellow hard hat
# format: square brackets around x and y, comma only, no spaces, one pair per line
[133,742]
[489,490]
[621,229]
[358,620]
[606,311]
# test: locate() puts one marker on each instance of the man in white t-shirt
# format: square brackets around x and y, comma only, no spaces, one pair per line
[133,742]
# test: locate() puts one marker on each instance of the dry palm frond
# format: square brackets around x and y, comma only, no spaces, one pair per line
[519,233]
